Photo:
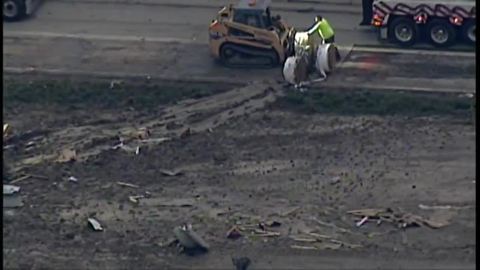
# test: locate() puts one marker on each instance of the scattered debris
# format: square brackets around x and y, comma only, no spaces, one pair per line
[319,236]
[442,207]
[156,140]
[6,131]
[273,223]
[10,189]
[143,134]
[123,184]
[171,173]
[303,247]
[361,222]
[20,179]
[331,225]
[120,145]
[307,240]
[135,199]
[186,133]
[95,224]
[189,239]
[264,233]
[137,151]
[67,155]
[114,83]
[30,144]
[241,263]
[170,202]
[403,220]
[170,242]
[73,179]
[234,233]
[335,180]
[290,211]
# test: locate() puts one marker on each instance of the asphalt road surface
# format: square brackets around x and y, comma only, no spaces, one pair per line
[169,39]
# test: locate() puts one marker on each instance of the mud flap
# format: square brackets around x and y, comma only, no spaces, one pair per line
[383,33]
[367,12]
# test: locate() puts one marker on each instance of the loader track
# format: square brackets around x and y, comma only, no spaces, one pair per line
[239,56]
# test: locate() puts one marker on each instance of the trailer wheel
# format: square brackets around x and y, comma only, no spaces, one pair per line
[13,10]
[469,31]
[441,33]
[403,31]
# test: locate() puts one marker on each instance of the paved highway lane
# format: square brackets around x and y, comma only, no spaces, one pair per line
[187,59]
[171,41]
[163,21]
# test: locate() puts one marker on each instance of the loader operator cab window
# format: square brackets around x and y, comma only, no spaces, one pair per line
[248,17]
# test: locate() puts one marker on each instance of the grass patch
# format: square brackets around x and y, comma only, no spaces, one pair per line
[100,95]
[377,103]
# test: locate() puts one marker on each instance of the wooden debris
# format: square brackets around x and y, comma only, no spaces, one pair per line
[67,155]
[303,247]
[20,179]
[123,184]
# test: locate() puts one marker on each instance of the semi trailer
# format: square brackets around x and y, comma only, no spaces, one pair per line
[16,10]
[441,23]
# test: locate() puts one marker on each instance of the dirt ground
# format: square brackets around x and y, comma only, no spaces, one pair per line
[248,159]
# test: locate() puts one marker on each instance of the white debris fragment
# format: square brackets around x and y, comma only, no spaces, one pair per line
[73,179]
[10,189]
[95,224]
[127,185]
[362,221]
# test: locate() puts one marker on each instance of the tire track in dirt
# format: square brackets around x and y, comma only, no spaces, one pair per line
[197,115]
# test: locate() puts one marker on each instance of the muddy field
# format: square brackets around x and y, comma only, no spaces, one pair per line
[244,156]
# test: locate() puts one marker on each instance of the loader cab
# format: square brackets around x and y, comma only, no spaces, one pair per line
[253,13]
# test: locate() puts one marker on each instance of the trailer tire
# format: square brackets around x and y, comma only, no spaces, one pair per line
[14,10]
[403,31]
[469,31]
[441,33]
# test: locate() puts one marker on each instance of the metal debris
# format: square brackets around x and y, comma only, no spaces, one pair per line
[123,184]
[135,199]
[95,224]
[234,233]
[189,239]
